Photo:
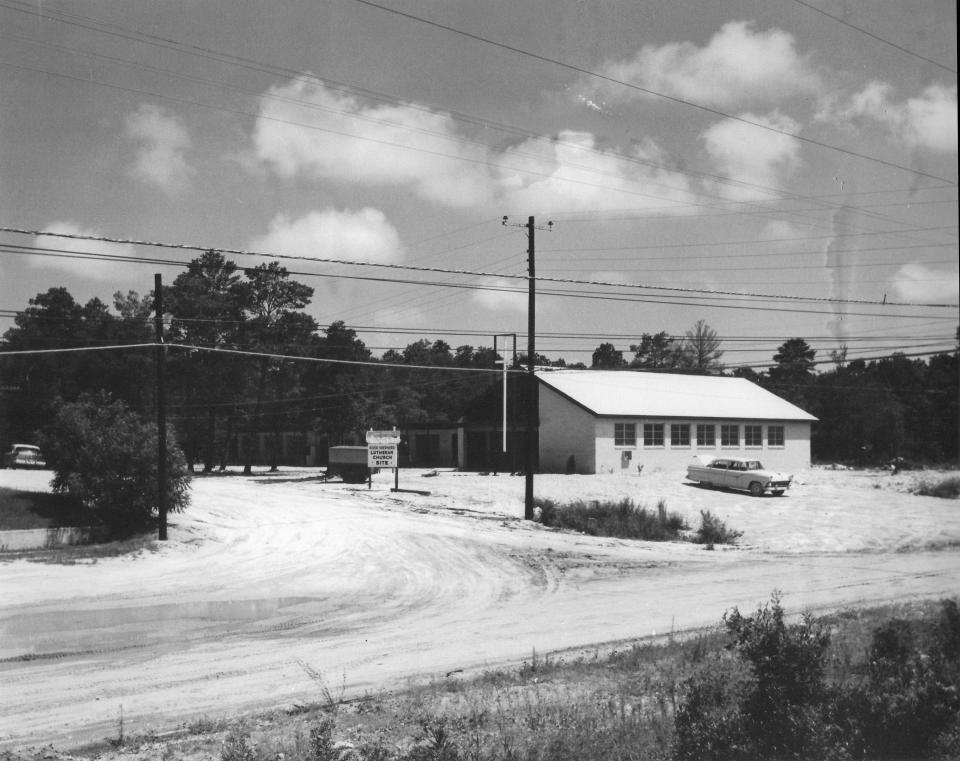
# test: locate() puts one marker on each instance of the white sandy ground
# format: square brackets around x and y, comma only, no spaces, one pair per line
[266,582]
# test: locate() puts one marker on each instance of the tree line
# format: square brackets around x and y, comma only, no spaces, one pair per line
[238,382]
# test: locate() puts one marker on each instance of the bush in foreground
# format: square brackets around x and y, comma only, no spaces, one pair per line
[946,488]
[624,519]
[714,531]
[768,697]
[105,457]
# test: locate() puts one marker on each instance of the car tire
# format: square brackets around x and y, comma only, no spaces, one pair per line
[756,488]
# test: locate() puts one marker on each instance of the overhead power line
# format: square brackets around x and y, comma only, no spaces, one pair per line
[876,37]
[648,91]
[250,353]
[756,241]
[370,363]
[259,66]
[75,349]
[470,273]
[676,299]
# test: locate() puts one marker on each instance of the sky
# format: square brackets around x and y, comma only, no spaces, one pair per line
[777,168]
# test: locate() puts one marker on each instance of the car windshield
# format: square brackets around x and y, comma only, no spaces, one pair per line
[754,465]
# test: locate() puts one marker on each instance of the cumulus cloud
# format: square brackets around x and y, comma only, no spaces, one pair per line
[920,282]
[931,119]
[572,173]
[162,143]
[752,155]
[504,295]
[739,65]
[928,121]
[777,230]
[363,235]
[307,130]
[88,267]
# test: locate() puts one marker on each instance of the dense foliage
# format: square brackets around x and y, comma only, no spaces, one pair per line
[219,400]
[770,695]
[104,456]
[624,519]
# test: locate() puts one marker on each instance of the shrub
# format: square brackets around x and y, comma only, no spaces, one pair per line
[714,531]
[624,519]
[105,457]
[947,488]
[774,711]
[771,699]
[236,746]
[909,704]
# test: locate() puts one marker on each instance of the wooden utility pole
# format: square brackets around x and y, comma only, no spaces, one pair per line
[532,411]
[161,410]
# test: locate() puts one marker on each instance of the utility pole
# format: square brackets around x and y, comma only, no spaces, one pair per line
[533,411]
[503,447]
[161,410]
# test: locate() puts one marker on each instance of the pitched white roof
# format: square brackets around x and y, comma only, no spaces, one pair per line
[628,393]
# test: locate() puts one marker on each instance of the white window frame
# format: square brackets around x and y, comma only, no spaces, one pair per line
[758,431]
[653,430]
[712,429]
[783,436]
[724,427]
[684,429]
[620,437]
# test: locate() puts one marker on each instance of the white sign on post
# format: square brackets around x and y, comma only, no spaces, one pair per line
[382,455]
[383,437]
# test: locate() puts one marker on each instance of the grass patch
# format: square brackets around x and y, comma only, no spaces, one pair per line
[21,510]
[627,520]
[80,554]
[945,488]
[623,519]
[714,531]
[599,706]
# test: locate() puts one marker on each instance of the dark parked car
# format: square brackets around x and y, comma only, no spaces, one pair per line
[24,456]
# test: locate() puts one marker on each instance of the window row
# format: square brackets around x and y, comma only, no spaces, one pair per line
[705,435]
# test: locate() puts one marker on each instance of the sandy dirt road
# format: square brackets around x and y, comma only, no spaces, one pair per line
[273,589]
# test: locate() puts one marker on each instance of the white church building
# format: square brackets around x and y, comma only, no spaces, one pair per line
[596,421]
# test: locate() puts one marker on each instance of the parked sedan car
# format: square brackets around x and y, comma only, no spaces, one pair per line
[24,456]
[739,473]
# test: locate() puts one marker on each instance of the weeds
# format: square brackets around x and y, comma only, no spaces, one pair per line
[714,531]
[623,519]
[768,696]
[947,488]
[236,746]
[331,700]
[855,685]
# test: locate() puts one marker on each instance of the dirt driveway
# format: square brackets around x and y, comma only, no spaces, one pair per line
[268,582]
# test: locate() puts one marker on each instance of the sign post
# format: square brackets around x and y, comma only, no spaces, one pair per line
[382,452]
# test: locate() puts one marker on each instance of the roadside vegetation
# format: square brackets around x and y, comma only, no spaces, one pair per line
[21,510]
[625,519]
[866,684]
[945,488]
[714,531]
[853,686]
